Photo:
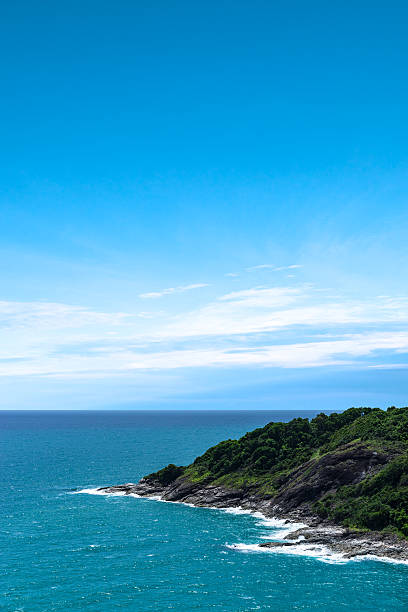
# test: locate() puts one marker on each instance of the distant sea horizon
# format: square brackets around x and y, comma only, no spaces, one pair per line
[137,417]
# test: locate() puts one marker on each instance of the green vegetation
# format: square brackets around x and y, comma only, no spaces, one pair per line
[379,502]
[274,459]
[168,474]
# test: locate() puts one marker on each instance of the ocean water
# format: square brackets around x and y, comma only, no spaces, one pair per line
[66,551]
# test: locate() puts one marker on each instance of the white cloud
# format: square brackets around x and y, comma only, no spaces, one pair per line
[262,310]
[274,268]
[292,267]
[262,296]
[389,366]
[282,327]
[170,290]
[297,355]
[54,315]
[261,267]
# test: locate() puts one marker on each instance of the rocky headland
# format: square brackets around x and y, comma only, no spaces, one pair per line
[343,476]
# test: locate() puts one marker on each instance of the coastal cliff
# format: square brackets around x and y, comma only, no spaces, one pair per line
[343,475]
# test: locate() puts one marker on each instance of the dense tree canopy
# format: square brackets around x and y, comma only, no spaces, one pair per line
[264,459]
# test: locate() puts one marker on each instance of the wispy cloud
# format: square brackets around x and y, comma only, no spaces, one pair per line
[292,267]
[389,366]
[278,327]
[266,310]
[274,268]
[54,315]
[340,352]
[170,290]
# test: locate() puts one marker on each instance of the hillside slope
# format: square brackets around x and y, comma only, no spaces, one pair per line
[349,469]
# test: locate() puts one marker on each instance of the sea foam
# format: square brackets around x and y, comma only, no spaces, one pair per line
[280,528]
[321,553]
[97,491]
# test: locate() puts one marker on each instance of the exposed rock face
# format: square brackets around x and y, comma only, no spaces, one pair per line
[348,543]
[297,492]
[182,490]
[310,481]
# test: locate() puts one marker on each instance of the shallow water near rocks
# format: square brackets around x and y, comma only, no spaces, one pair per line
[61,551]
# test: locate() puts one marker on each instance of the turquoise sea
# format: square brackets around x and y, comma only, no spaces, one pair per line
[65,551]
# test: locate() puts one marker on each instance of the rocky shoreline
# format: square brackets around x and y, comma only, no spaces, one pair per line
[315,533]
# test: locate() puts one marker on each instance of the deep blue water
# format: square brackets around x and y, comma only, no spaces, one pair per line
[62,551]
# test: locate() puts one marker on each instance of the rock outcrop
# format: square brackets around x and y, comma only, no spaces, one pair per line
[345,476]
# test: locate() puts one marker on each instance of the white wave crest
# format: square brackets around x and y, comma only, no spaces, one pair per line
[280,528]
[97,491]
[237,510]
[320,553]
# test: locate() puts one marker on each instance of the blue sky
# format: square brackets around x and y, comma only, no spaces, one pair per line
[204,204]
